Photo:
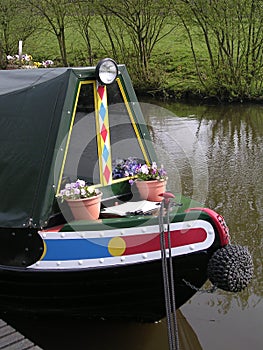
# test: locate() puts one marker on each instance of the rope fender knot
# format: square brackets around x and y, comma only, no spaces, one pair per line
[231,268]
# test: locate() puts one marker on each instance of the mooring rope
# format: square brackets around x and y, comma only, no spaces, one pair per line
[168,280]
[172,284]
[165,277]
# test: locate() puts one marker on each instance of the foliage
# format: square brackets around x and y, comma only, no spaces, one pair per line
[230,32]
[170,48]
[83,13]
[16,23]
[77,190]
[141,23]
[56,13]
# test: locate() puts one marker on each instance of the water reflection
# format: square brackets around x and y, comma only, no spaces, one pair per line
[227,142]
[102,335]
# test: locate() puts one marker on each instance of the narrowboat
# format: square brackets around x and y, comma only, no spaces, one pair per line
[62,125]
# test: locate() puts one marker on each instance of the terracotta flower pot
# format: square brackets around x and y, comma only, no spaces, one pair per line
[86,208]
[152,189]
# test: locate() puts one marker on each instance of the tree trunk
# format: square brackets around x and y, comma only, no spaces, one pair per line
[62,46]
[3,62]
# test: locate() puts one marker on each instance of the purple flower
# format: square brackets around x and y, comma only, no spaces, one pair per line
[151,172]
[80,183]
[132,167]
[77,190]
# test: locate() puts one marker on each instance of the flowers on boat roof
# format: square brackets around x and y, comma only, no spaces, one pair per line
[77,190]
[133,167]
[27,61]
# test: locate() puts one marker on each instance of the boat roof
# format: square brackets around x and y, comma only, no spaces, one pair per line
[37,110]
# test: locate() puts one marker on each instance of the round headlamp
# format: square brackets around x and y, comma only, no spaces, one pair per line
[106,71]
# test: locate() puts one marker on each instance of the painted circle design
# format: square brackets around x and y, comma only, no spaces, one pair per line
[116,246]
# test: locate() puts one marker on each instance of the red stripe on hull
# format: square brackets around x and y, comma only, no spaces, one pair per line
[151,242]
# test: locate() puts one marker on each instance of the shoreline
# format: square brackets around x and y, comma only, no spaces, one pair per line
[189,96]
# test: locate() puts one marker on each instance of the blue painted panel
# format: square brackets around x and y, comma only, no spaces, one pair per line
[74,249]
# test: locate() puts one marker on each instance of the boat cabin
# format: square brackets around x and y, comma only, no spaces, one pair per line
[58,125]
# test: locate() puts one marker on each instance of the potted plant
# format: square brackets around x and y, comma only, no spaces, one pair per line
[83,200]
[151,181]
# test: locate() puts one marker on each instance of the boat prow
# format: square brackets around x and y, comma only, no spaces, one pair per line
[74,126]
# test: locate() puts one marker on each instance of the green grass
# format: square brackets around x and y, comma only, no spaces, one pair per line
[172,66]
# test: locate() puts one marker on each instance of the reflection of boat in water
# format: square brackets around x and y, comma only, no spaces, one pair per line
[64,333]
[187,336]
[65,124]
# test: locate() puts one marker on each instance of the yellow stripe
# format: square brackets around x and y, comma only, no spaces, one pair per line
[44,250]
[100,142]
[69,134]
[137,133]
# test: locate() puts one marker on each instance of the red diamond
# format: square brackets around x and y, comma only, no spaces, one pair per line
[107,173]
[101,90]
[104,132]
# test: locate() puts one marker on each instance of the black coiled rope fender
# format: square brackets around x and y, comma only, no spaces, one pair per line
[231,268]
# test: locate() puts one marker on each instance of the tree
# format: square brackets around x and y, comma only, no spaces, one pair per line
[231,31]
[82,12]
[142,22]
[57,14]
[16,23]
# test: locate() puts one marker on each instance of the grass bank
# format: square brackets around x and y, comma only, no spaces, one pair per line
[172,69]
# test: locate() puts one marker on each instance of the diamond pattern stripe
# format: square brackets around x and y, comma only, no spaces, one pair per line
[105,156]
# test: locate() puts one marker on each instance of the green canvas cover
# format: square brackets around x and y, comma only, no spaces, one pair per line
[31,104]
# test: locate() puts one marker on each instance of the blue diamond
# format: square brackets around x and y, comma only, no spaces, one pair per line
[105,153]
[102,112]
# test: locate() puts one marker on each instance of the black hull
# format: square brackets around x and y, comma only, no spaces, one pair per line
[133,292]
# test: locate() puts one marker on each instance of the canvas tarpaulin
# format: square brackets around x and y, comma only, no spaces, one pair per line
[31,103]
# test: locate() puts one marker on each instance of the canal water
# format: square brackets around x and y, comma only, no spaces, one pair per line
[215,155]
